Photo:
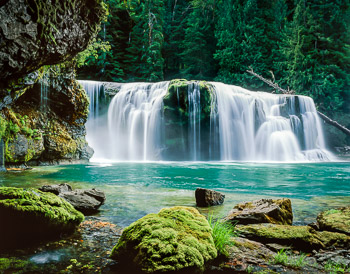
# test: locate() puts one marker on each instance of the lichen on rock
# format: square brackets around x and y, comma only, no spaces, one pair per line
[176,238]
[32,215]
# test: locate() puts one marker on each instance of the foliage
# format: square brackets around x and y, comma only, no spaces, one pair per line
[332,267]
[222,234]
[284,258]
[301,44]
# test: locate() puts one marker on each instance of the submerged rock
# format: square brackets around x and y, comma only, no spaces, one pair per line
[177,238]
[207,197]
[300,237]
[262,211]
[30,215]
[337,220]
[87,201]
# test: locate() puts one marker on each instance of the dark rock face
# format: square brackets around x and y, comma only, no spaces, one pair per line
[36,33]
[262,211]
[207,197]
[86,201]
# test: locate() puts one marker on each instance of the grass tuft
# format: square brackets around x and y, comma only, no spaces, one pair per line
[284,258]
[222,234]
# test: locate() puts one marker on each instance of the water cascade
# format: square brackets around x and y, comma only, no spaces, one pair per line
[135,122]
[234,124]
[96,126]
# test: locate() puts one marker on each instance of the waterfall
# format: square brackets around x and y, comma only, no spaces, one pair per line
[44,91]
[258,126]
[234,124]
[194,112]
[135,122]
[96,126]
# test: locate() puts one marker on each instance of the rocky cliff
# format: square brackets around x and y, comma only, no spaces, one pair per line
[43,118]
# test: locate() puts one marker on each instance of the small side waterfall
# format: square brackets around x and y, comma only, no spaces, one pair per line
[96,126]
[225,123]
[44,92]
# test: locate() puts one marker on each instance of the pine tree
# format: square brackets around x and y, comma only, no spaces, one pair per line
[317,52]
[199,42]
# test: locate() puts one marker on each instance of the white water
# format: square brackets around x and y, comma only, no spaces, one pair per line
[135,122]
[244,125]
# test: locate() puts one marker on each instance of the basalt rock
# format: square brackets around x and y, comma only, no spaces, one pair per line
[207,197]
[262,211]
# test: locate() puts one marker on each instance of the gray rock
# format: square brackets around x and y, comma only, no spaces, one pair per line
[87,201]
[277,211]
[56,189]
[207,197]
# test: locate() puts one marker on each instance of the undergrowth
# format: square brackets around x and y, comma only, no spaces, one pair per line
[222,234]
[284,258]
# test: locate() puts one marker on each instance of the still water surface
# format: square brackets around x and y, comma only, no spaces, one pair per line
[136,189]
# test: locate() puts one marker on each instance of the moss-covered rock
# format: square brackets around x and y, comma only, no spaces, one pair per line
[275,211]
[337,220]
[29,215]
[174,239]
[300,237]
[177,117]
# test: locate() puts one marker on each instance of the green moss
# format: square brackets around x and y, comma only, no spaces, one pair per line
[302,237]
[174,239]
[3,126]
[11,264]
[31,212]
[337,220]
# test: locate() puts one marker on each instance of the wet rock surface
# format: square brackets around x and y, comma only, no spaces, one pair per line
[86,201]
[208,197]
[262,211]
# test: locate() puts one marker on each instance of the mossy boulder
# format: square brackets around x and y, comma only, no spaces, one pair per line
[178,105]
[177,238]
[300,237]
[278,211]
[337,220]
[30,215]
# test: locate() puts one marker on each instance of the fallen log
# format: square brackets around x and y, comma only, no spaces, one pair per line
[284,91]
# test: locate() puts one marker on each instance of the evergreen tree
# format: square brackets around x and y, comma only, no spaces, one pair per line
[199,42]
[317,51]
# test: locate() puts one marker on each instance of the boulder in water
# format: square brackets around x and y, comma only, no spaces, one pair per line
[30,215]
[206,197]
[177,238]
[262,211]
[337,220]
[87,201]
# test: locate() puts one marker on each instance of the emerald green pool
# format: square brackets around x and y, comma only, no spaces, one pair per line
[136,189]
